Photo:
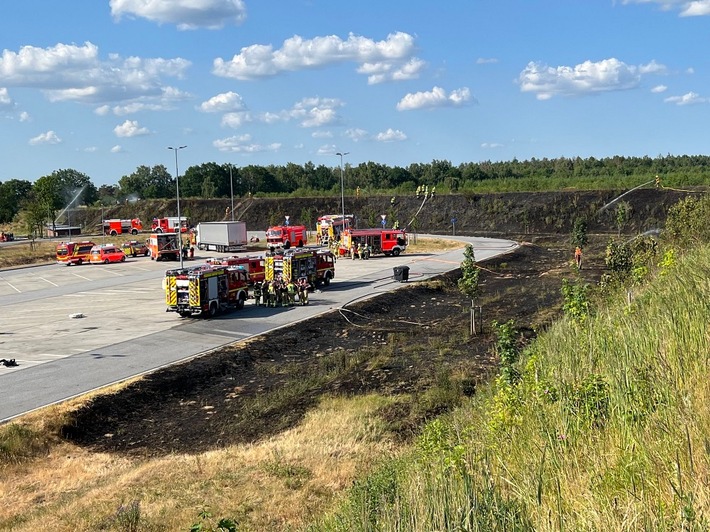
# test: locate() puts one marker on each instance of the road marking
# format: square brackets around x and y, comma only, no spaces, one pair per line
[48,281]
[11,285]
[81,276]
[234,333]
[115,273]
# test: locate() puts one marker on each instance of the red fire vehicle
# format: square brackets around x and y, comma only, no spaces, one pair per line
[205,290]
[287,236]
[74,252]
[318,266]
[386,241]
[253,264]
[164,246]
[170,225]
[329,227]
[116,226]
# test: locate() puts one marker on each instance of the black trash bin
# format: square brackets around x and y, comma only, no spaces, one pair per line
[401,273]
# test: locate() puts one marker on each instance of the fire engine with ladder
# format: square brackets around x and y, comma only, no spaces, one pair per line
[316,265]
[205,290]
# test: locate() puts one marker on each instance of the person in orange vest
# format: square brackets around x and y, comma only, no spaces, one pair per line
[578,257]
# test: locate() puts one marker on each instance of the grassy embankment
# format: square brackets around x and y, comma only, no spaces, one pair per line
[604,424]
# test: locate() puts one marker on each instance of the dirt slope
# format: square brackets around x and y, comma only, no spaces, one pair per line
[399,343]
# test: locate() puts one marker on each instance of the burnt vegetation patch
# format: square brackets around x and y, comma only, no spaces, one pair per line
[414,343]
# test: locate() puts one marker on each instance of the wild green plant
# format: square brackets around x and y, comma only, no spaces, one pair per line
[579,232]
[208,524]
[687,221]
[576,301]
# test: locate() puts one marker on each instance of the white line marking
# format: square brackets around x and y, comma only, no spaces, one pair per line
[81,276]
[13,287]
[235,333]
[48,281]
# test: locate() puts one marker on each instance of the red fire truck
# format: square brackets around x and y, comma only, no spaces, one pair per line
[318,266]
[164,246]
[170,225]
[253,264]
[205,290]
[116,226]
[287,236]
[74,252]
[386,241]
[329,227]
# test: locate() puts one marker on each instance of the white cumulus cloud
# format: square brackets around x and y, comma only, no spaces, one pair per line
[437,97]
[69,72]
[222,103]
[391,135]
[130,128]
[390,59]
[50,137]
[586,78]
[690,98]
[185,14]
[243,144]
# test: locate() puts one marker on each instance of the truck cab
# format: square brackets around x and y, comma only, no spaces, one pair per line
[74,252]
[287,236]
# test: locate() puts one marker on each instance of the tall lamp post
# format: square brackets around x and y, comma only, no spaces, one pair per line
[177,190]
[231,189]
[342,184]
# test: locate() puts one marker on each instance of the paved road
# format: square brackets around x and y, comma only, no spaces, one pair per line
[73,329]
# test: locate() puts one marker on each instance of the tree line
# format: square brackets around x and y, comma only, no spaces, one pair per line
[49,196]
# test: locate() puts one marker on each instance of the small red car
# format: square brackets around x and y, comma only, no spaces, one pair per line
[106,253]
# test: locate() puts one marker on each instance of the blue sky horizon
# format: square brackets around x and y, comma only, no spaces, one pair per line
[105,86]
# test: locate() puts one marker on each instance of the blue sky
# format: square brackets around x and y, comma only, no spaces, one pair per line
[103,86]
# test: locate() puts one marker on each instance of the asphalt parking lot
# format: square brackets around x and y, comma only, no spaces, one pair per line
[72,329]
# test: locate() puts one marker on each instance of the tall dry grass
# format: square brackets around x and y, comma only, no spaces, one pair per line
[277,484]
[607,428]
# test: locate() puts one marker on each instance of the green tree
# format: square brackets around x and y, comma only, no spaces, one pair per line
[148,183]
[468,284]
[12,194]
[579,232]
[76,188]
[622,215]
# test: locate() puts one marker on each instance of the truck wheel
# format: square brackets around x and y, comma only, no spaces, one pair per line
[105,261]
[134,232]
[158,230]
[212,312]
[79,262]
[123,259]
[326,281]
[240,303]
[113,232]
[396,252]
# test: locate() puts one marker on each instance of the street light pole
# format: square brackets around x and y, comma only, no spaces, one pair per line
[177,190]
[342,185]
[231,189]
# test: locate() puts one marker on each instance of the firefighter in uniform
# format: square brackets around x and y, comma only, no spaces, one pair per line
[257,293]
[360,251]
[272,294]
[283,293]
[291,289]
[303,287]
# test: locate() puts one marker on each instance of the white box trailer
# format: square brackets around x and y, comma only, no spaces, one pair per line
[223,237]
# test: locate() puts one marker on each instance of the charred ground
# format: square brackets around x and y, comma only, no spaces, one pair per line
[413,343]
